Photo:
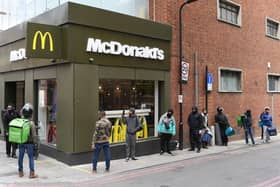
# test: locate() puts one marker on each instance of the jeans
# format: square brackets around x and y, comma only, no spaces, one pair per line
[266,136]
[248,131]
[106,148]
[29,148]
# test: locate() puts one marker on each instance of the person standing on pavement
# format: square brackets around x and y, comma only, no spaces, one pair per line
[8,116]
[195,122]
[222,121]
[27,112]
[266,120]
[166,129]
[133,125]
[100,140]
[247,125]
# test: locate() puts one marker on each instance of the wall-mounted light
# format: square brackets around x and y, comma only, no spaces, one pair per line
[53,60]
[268,65]
[91,60]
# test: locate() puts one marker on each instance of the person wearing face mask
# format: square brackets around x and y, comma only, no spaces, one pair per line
[222,121]
[266,119]
[133,125]
[195,122]
[207,135]
[166,129]
[9,115]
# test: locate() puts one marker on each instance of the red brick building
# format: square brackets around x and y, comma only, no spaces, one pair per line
[239,42]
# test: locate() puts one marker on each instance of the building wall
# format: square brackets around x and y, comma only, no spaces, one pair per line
[219,44]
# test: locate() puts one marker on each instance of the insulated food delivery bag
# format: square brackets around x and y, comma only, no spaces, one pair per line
[19,130]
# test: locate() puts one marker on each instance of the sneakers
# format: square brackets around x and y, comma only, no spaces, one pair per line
[161,152]
[133,158]
[14,156]
[32,175]
[127,159]
[170,153]
[198,151]
[191,149]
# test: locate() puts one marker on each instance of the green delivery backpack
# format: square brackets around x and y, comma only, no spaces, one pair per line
[19,130]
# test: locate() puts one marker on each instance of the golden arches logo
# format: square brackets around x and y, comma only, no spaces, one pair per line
[43,38]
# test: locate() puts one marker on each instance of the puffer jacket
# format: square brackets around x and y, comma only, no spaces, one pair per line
[166,125]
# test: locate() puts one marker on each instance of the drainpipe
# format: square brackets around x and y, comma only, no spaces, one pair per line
[196,80]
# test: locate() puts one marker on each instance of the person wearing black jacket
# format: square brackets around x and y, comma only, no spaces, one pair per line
[247,125]
[195,122]
[222,121]
[8,116]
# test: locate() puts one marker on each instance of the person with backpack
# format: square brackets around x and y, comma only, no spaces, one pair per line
[8,116]
[266,121]
[247,122]
[166,129]
[27,112]
[133,125]
[222,121]
[100,140]
[195,122]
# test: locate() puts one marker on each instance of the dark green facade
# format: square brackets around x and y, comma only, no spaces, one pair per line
[78,72]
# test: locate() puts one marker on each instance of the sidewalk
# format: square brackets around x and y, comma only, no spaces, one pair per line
[51,171]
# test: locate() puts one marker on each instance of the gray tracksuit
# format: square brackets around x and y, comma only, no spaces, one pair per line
[133,125]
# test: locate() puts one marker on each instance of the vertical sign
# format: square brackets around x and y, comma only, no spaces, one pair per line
[185,71]
[209,82]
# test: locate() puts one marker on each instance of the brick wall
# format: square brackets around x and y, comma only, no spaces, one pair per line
[219,44]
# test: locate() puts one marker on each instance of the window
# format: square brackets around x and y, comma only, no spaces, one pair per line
[274,83]
[229,12]
[47,90]
[229,80]
[272,28]
[118,95]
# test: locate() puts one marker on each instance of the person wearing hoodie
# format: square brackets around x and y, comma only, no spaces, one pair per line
[266,119]
[133,125]
[166,129]
[247,125]
[195,122]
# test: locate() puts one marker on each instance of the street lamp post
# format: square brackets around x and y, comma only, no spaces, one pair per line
[181,129]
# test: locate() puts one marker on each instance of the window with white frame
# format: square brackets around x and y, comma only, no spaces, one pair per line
[272,28]
[230,80]
[229,12]
[273,83]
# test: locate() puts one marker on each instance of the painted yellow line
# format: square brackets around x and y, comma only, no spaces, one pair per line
[81,169]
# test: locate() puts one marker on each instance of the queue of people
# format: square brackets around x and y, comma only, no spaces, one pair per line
[199,133]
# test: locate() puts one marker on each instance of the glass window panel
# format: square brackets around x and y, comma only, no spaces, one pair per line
[230,80]
[229,12]
[118,95]
[47,90]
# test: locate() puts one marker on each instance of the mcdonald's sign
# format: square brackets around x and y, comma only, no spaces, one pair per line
[43,41]
[42,37]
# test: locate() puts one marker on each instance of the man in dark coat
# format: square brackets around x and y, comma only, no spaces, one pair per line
[8,116]
[195,121]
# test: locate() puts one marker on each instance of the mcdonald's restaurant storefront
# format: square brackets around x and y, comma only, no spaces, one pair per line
[74,60]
